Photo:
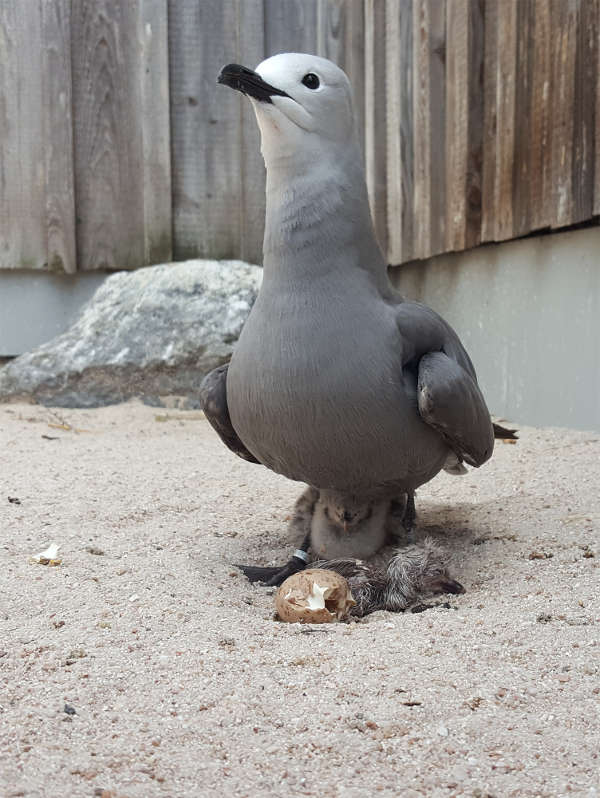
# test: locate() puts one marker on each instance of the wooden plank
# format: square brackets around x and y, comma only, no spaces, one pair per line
[475,141]
[422,126]
[107,112]
[205,130]
[597,125]
[399,67]
[490,122]
[340,37]
[586,68]
[57,127]
[290,26]
[539,188]
[457,121]
[597,122]
[156,143]
[564,14]
[437,126]
[523,119]
[375,117]
[23,242]
[250,50]
[505,118]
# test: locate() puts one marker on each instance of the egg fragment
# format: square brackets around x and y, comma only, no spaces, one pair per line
[314,596]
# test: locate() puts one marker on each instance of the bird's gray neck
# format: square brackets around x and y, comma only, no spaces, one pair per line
[318,220]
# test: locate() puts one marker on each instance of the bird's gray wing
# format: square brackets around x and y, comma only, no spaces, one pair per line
[213,400]
[448,396]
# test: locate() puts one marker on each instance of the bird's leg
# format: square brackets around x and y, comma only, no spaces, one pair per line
[273,577]
[410,517]
[402,511]
[301,522]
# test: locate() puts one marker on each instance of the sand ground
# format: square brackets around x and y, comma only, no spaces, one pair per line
[144,665]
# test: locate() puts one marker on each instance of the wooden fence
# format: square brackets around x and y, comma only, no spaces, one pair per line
[480,121]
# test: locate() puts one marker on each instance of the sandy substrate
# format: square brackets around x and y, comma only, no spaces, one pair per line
[144,665]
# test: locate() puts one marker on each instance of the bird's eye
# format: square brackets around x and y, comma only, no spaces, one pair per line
[311,81]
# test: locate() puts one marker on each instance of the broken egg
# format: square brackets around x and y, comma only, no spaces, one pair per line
[314,596]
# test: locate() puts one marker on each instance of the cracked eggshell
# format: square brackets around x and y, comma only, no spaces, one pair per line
[314,596]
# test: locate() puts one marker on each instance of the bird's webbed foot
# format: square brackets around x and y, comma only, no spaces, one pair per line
[410,516]
[272,577]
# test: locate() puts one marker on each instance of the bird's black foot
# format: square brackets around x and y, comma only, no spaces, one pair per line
[409,518]
[272,577]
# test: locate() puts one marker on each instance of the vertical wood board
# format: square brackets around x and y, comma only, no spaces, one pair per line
[437,48]
[107,111]
[564,19]
[340,37]
[251,50]
[475,143]
[290,26]
[205,130]
[490,121]
[375,117]
[422,125]
[156,141]
[586,68]
[539,180]
[399,102]
[457,120]
[505,118]
[57,132]
[597,121]
[524,76]
[36,178]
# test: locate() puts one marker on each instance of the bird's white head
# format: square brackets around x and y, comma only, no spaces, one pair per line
[303,104]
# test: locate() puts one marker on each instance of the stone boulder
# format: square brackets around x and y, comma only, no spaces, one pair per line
[152,333]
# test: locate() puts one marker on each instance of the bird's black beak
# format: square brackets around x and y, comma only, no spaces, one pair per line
[248,82]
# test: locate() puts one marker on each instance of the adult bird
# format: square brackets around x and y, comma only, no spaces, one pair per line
[337,380]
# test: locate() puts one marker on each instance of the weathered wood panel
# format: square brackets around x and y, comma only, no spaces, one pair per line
[400,149]
[564,13]
[111,175]
[206,130]
[218,174]
[539,110]
[457,121]
[422,122]
[586,72]
[597,121]
[375,116]
[36,178]
[251,51]
[481,122]
[58,136]
[506,71]
[156,140]
[523,145]
[341,38]
[290,26]
[437,48]
[475,144]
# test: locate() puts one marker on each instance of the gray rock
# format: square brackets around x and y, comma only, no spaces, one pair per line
[153,332]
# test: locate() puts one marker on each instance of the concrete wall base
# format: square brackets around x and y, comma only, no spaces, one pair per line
[37,306]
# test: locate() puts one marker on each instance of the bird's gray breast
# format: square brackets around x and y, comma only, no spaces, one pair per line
[317,392]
